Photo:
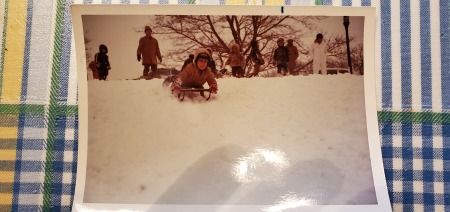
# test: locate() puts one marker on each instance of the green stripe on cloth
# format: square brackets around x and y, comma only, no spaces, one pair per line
[53,106]
[2,59]
[37,110]
[191,1]
[414,117]
[319,2]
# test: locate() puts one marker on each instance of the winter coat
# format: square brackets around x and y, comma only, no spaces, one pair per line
[186,62]
[256,56]
[149,49]
[281,55]
[192,76]
[235,58]
[293,55]
[318,52]
[101,59]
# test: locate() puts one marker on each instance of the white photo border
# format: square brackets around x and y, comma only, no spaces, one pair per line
[369,87]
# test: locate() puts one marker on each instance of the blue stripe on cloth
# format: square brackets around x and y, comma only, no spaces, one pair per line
[59,165]
[144,1]
[386,54]
[365,3]
[18,164]
[287,2]
[26,59]
[407,164]
[444,17]
[65,55]
[34,121]
[327,2]
[346,2]
[106,1]
[388,155]
[125,1]
[425,60]
[446,156]
[75,157]
[183,1]
[31,166]
[27,208]
[163,1]
[29,188]
[87,1]
[32,144]
[405,50]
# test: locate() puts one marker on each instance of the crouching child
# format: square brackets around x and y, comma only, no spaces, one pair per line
[196,74]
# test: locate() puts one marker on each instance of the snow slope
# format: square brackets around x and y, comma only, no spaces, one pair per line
[259,141]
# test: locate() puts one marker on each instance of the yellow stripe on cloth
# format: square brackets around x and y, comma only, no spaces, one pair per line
[274,2]
[5,199]
[14,51]
[8,132]
[7,154]
[238,2]
[6,177]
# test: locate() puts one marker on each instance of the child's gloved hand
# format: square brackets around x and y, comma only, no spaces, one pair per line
[213,88]
[176,88]
[139,57]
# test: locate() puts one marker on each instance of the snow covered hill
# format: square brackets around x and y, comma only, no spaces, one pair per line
[259,141]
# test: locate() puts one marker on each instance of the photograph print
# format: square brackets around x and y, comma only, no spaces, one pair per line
[226,109]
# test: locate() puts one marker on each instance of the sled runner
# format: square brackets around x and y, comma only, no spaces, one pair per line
[199,90]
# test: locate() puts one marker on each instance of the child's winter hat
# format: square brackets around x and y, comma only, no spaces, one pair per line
[202,56]
[147,28]
[318,36]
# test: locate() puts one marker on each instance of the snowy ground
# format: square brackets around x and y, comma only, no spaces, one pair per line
[259,141]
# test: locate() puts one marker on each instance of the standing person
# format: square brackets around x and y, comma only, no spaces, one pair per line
[293,55]
[148,51]
[187,61]
[281,57]
[102,62]
[256,57]
[318,53]
[196,74]
[236,61]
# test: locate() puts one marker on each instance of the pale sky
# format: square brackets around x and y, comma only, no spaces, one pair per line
[118,34]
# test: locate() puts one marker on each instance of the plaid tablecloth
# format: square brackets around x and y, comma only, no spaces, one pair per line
[38,99]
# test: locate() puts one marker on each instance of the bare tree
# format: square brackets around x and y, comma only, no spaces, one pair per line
[218,32]
[357,55]
[86,48]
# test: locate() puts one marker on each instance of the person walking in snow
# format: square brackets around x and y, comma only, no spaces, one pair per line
[281,57]
[236,61]
[318,53]
[293,55]
[196,74]
[148,51]
[102,62]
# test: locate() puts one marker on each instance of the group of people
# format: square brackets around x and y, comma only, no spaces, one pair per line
[200,67]
[284,57]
